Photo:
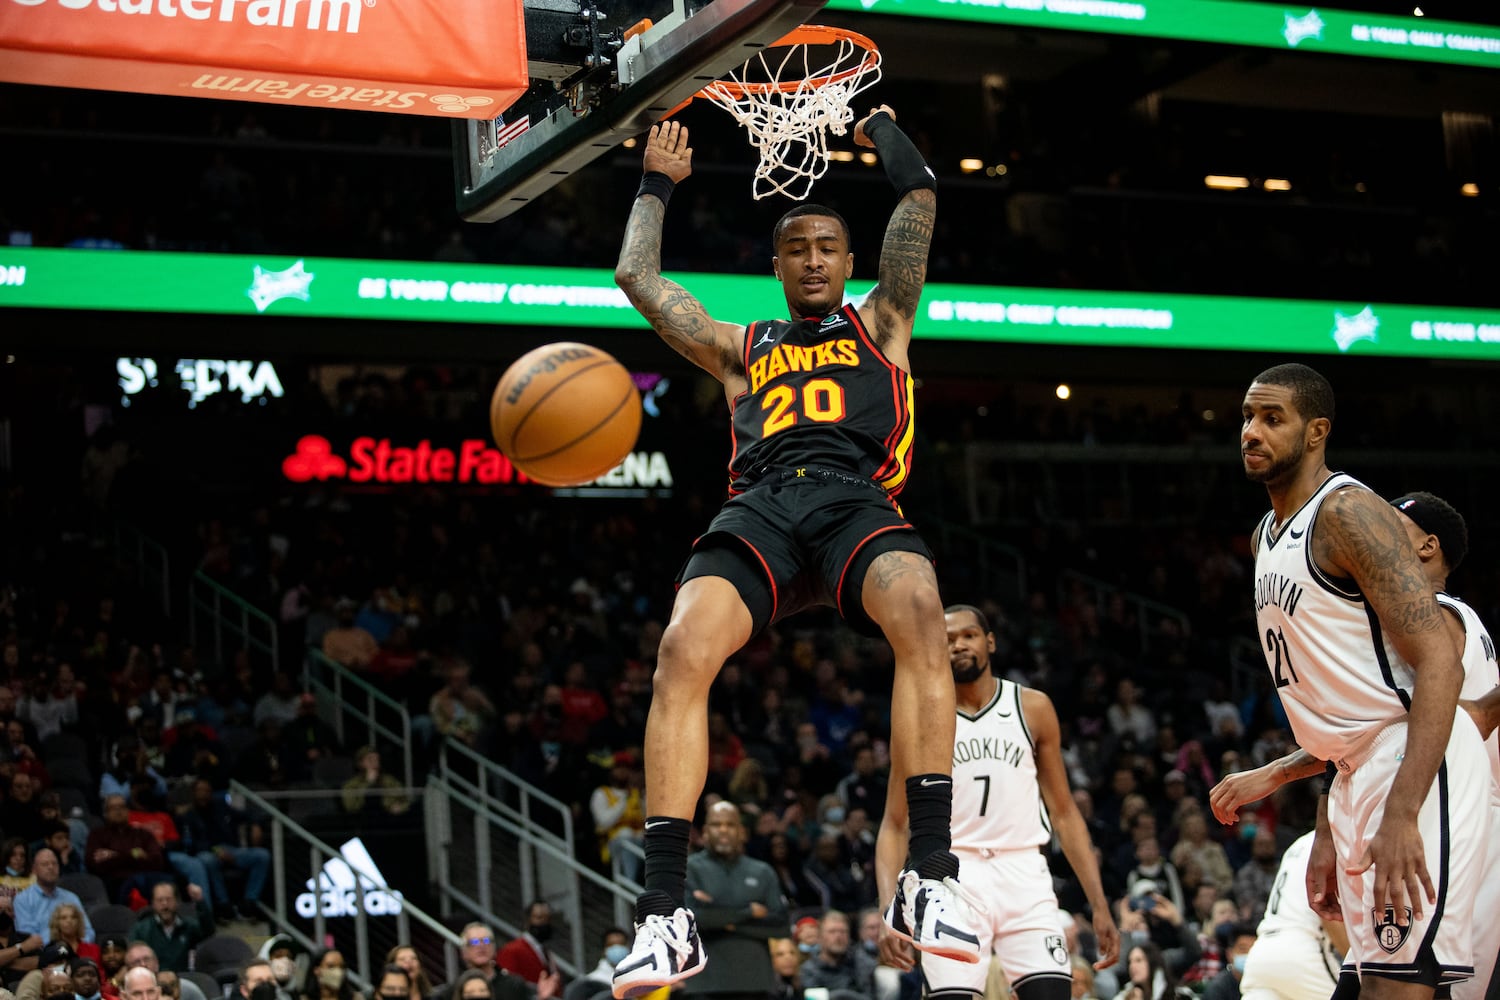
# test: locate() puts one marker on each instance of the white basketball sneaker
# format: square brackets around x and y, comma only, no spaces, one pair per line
[934,915]
[667,950]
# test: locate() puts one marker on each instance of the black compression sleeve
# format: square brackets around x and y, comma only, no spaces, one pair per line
[659,184]
[903,164]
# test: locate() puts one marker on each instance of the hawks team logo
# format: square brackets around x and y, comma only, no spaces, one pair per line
[1389,934]
[1057,949]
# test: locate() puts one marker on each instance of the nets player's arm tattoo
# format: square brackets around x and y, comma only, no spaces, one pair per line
[1359,536]
[673,312]
[903,263]
[1363,538]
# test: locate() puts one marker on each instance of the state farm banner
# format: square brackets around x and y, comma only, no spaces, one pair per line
[447,58]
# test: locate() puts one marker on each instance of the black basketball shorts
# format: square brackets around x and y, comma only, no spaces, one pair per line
[797,542]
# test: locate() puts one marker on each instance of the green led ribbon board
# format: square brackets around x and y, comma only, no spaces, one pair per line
[271,287]
[1291,28]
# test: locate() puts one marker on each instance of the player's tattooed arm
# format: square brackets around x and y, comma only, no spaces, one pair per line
[1359,536]
[903,267]
[1363,539]
[673,312]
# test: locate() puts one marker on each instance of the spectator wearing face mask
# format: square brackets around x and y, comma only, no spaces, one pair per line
[328,979]
[281,952]
[527,956]
[393,984]
[420,987]
[805,936]
[256,981]
[1237,944]
[616,945]
[87,983]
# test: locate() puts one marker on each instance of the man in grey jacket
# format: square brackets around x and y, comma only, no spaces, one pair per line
[739,907]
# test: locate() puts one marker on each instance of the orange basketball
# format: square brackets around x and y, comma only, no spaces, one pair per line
[565,414]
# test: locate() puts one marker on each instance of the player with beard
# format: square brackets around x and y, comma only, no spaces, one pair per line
[1010,792]
[1356,642]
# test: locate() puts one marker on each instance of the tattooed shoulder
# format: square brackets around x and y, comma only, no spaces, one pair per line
[1364,539]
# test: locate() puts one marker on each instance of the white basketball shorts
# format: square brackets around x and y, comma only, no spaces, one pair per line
[1020,923]
[1454,823]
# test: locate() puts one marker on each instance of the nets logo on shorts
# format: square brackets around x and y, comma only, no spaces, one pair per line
[1057,949]
[1389,934]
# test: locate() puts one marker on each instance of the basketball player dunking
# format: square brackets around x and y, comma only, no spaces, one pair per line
[821,407]
[1356,644]
[1440,537]
[1010,791]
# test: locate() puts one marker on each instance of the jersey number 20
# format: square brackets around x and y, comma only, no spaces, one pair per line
[822,402]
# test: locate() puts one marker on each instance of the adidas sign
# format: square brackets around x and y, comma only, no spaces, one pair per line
[336,888]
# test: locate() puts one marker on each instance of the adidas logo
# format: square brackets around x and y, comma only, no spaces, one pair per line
[338,885]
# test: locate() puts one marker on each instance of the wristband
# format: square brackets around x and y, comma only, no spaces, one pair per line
[659,184]
[904,166]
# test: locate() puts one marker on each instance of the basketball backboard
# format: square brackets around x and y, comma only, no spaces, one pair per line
[592,87]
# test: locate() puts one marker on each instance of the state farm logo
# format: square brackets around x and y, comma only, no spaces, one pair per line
[457,105]
[378,461]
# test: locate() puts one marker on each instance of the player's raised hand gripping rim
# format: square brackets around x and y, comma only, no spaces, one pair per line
[860,137]
[668,152]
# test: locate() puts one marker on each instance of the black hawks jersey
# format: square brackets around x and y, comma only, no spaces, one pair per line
[821,394]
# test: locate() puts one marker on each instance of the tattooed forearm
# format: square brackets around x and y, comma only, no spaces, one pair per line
[640,254]
[903,255]
[1361,534]
[671,310]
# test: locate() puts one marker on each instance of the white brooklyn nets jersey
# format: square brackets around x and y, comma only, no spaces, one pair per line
[1481,674]
[1292,958]
[997,803]
[1339,680]
[1287,909]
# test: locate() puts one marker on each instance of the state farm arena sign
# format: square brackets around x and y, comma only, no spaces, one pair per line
[475,462]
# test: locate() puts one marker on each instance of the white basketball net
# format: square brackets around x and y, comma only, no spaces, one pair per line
[790,126]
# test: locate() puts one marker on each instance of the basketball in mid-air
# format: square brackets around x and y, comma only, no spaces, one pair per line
[565,413]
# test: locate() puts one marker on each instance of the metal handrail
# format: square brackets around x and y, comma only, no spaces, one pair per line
[485,811]
[985,548]
[487,796]
[133,546]
[343,681]
[208,595]
[1142,603]
[320,853]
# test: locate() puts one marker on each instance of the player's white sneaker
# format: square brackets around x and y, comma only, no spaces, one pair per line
[934,915]
[667,950]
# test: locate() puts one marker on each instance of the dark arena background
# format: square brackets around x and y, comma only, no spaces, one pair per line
[265,574]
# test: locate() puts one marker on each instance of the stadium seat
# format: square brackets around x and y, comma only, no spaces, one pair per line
[221,953]
[112,918]
[211,987]
[63,746]
[87,886]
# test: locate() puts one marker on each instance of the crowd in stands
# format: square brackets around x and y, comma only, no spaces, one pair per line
[526,627]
